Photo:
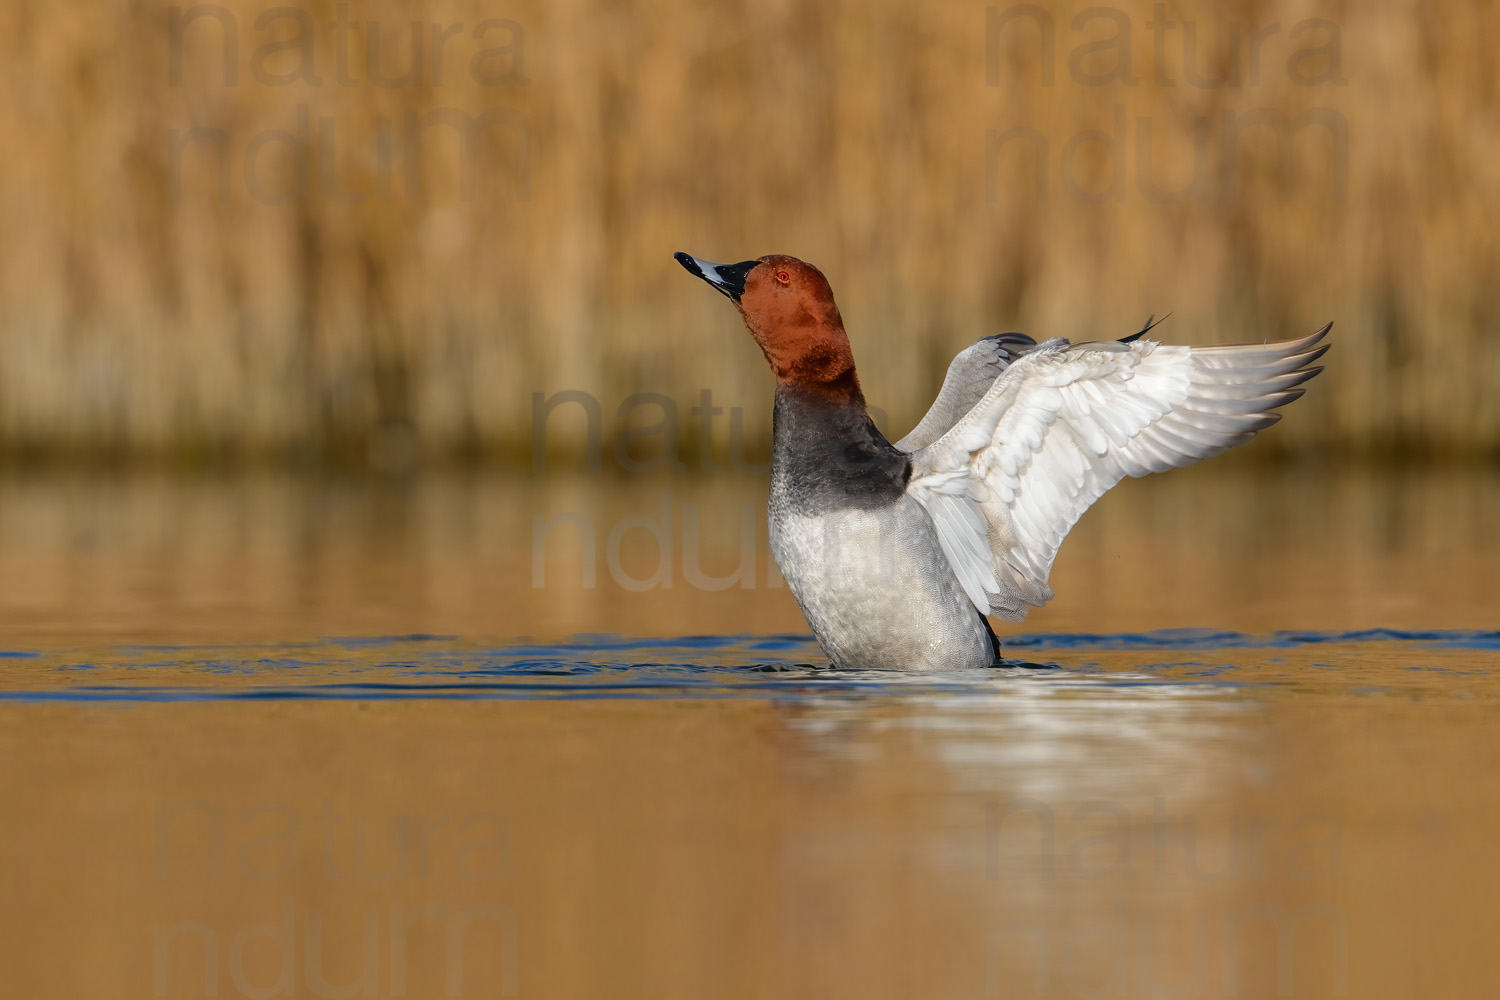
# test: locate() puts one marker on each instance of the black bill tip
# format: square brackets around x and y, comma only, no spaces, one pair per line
[727,278]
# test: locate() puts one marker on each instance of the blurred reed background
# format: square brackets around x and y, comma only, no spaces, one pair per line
[318,275]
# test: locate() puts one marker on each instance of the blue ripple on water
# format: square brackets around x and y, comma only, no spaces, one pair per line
[613,666]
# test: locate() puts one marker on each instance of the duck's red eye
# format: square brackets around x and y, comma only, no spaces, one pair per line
[783,277]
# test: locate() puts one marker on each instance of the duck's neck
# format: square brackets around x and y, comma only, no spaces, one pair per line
[827,453]
[809,351]
[837,388]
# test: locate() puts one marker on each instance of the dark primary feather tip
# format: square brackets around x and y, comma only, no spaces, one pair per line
[1310,356]
[1298,376]
[1019,339]
[1302,345]
[1145,329]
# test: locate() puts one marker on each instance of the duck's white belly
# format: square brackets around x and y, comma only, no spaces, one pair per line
[877,590]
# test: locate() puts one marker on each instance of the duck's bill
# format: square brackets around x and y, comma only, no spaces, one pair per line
[727,278]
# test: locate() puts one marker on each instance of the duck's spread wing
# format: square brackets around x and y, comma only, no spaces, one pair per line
[1063,424]
[970,376]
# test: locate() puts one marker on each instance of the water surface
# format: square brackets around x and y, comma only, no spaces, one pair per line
[280,737]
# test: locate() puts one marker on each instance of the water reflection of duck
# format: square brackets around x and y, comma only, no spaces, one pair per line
[889,549]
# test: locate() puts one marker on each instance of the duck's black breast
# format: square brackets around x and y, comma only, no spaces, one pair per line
[828,455]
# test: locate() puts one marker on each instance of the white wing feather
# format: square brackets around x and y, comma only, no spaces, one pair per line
[1063,424]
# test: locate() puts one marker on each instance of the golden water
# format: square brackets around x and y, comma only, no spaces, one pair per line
[206,788]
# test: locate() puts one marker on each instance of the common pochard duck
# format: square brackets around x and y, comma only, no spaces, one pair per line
[897,553]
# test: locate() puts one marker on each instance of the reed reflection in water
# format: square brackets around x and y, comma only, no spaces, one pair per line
[276,556]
